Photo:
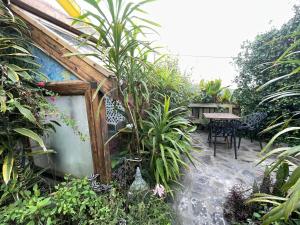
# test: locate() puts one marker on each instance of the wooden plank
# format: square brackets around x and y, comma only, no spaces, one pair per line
[93,138]
[230,108]
[56,47]
[211,105]
[75,87]
[221,116]
[193,112]
[98,135]
[102,128]
[200,113]
[49,12]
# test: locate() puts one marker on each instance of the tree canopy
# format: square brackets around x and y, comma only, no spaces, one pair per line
[255,64]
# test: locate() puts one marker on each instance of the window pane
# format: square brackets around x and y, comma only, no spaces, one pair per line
[73,154]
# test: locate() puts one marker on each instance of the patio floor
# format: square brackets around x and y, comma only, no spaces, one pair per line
[206,185]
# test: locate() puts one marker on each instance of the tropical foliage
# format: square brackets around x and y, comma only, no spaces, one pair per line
[120,29]
[120,26]
[168,79]
[212,91]
[288,202]
[167,141]
[256,67]
[22,102]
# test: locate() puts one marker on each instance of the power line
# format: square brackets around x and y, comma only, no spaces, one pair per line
[205,56]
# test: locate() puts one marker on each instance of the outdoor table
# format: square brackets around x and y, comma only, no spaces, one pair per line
[219,116]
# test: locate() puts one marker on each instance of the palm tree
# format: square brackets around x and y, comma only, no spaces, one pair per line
[212,88]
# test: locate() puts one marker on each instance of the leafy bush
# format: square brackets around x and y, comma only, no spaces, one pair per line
[284,201]
[21,100]
[256,67]
[140,80]
[14,190]
[167,79]
[74,202]
[240,209]
[166,139]
[235,207]
[211,91]
[151,210]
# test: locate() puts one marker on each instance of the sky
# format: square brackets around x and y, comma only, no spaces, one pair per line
[206,34]
[195,29]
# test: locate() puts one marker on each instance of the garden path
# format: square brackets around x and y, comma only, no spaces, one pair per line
[207,184]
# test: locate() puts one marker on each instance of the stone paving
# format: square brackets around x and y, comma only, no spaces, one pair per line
[205,186]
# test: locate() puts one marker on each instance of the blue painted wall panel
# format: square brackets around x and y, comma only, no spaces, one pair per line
[51,68]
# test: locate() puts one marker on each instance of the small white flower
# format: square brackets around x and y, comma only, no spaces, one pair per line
[159,190]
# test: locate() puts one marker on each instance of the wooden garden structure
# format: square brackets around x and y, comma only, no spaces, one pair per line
[199,108]
[76,76]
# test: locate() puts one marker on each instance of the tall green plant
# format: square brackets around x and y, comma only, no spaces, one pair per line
[226,96]
[256,67]
[21,100]
[212,89]
[168,79]
[284,206]
[120,28]
[166,139]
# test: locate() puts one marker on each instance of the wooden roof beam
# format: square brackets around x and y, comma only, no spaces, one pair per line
[56,47]
[61,22]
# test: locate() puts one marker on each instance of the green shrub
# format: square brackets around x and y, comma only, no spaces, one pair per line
[211,91]
[166,139]
[21,100]
[168,79]
[74,202]
[284,201]
[151,211]
[257,65]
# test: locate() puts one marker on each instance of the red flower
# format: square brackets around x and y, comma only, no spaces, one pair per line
[41,84]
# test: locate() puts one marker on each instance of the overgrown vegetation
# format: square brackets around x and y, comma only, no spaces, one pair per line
[167,79]
[277,203]
[75,202]
[241,207]
[256,67]
[119,27]
[167,141]
[285,202]
[212,91]
[21,99]
[123,46]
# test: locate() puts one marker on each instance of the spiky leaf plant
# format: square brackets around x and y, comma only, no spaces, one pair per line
[120,28]
[284,207]
[167,142]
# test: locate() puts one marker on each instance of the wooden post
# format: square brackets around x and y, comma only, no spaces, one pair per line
[230,108]
[98,128]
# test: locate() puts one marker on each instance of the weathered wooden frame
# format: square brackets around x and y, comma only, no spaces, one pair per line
[54,46]
[96,121]
[90,75]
